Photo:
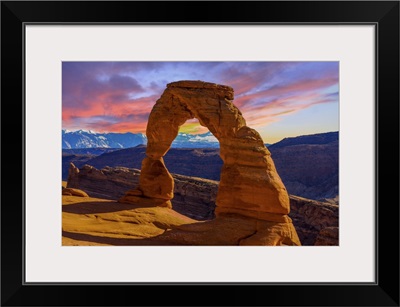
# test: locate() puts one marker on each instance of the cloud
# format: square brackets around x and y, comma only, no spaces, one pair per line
[96,97]
[118,96]
[263,114]
[207,138]
[248,77]
[127,115]
[193,128]
[298,88]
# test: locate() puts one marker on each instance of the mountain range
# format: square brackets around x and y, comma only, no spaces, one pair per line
[310,139]
[89,139]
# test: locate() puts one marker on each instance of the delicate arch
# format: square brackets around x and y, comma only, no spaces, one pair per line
[249,185]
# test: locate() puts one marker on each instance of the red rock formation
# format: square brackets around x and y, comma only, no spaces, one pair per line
[74,192]
[195,198]
[250,185]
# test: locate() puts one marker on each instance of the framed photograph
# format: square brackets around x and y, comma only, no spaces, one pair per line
[244,146]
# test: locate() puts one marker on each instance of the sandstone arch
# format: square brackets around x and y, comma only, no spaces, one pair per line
[249,186]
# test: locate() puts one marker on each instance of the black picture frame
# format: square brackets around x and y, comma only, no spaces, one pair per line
[383,14]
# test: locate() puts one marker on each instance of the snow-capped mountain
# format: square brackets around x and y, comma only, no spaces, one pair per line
[91,139]
[186,140]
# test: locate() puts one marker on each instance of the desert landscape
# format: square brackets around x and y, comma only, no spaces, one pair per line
[233,190]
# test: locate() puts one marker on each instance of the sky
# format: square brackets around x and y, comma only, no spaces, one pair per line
[278,99]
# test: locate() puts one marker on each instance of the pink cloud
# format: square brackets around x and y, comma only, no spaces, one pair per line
[108,97]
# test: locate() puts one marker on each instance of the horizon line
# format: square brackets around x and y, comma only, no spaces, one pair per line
[95,132]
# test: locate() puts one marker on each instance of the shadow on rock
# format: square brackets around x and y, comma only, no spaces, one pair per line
[223,231]
[93,207]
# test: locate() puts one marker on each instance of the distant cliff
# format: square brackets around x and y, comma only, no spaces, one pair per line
[193,196]
[309,165]
[198,162]
[310,139]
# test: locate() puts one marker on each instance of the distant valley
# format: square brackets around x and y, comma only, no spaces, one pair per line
[308,165]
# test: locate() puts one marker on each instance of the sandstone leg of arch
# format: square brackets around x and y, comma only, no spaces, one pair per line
[156,185]
[250,175]
[249,186]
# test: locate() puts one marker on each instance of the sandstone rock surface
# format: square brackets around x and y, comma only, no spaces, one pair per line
[195,198]
[92,221]
[74,192]
[250,185]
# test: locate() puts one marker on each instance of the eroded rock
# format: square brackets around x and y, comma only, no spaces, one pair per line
[328,236]
[242,148]
[74,192]
[250,185]
[195,198]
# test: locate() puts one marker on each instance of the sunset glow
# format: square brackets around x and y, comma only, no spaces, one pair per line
[278,99]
